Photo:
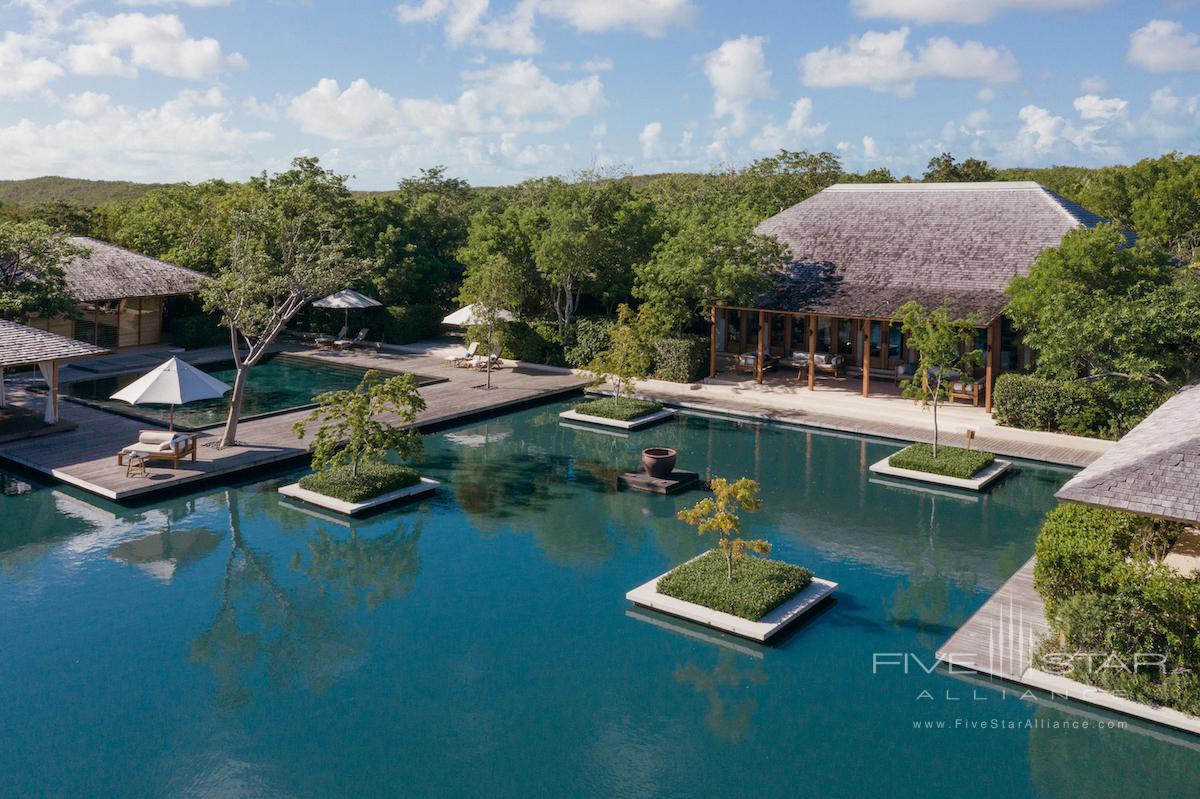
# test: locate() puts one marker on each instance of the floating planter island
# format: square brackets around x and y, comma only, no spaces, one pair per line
[776,594]
[954,467]
[625,413]
[392,485]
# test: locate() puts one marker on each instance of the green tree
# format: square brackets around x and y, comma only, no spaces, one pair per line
[944,169]
[769,185]
[944,345]
[350,428]
[490,290]
[185,224]
[288,246]
[627,357]
[33,280]
[719,514]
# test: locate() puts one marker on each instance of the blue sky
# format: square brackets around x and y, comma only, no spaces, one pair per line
[502,90]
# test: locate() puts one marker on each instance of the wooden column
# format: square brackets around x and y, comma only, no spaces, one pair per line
[866,356]
[993,362]
[812,351]
[712,344]
[762,329]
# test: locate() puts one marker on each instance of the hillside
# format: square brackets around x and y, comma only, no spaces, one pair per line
[75,191]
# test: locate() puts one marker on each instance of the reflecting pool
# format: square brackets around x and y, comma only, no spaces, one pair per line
[479,643]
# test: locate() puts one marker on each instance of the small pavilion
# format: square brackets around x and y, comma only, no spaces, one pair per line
[21,345]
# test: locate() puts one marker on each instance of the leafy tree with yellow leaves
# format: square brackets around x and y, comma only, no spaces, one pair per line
[719,514]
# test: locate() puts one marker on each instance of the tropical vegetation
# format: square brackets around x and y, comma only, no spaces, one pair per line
[950,461]
[761,584]
[623,409]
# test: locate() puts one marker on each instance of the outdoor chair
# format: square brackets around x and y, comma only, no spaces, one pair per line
[324,340]
[747,362]
[905,371]
[466,358]
[972,390]
[347,343]
[825,362]
[481,363]
[160,445]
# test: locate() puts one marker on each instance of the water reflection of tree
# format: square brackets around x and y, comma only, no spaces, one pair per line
[729,710]
[366,571]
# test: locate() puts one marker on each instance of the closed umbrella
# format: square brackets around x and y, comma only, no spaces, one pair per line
[472,315]
[174,383]
[347,300]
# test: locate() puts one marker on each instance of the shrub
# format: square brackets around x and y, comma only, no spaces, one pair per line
[374,478]
[950,461]
[623,409]
[1038,403]
[198,330]
[757,587]
[586,340]
[522,341]
[683,359]
[405,324]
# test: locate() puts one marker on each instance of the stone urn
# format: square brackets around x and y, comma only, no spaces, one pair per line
[659,462]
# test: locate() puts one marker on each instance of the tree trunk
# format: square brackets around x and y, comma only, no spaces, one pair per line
[729,565]
[229,437]
[937,392]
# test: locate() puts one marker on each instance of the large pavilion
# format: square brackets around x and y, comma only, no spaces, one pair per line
[861,251]
[21,345]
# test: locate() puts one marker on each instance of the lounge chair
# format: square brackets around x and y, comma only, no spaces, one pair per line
[346,343]
[481,363]
[961,389]
[825,362]
[325,340]
[748,361]
[161,445]
[466,358]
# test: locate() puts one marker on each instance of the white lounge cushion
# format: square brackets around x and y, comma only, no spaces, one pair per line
[155,437]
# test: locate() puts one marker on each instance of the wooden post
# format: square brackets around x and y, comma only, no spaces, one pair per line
[812,352]
[712,344]
[993,362]
[758,363]
[866,356]
[53,398]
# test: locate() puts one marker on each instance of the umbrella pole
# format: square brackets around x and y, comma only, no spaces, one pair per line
[171,419]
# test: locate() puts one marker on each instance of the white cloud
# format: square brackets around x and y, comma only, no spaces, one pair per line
[986,94]
[870,149]
[883,62]
[1043,134]
[737,71]
[22,67]
[1094,84]
[651,140]
[46,14]
[597,65]
[1091,106]
[468,22]
[102,140]
[508,98]
[191,3]
[1163,46]
[925,11]
[1171,118]
[798,131]
[159,43]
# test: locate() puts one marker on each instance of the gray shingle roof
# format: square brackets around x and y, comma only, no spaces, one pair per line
[866,249]
[113,273]
[21,345]
[1154,469]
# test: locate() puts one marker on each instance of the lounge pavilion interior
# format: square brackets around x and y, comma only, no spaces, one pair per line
[859,252]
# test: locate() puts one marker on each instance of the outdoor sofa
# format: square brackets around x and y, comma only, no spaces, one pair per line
[161,445]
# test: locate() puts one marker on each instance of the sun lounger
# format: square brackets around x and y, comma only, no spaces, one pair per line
[161,445]
[466,357]
[481,363]
[346,343]
[325,341]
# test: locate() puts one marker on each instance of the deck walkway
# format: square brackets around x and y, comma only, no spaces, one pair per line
[839,405]
[86,456]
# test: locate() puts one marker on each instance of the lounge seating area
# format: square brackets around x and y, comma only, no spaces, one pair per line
[824,362]
[470,358]
[160,445]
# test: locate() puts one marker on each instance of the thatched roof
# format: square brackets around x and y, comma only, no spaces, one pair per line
[113,273]
[865,249]
[21,345]
[1154,470]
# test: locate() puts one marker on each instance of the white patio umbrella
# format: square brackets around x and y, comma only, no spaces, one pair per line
[174,383]
[471,315]
[347,300]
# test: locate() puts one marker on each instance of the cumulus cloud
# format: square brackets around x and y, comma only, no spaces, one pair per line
[799,130]
[1043,134]
[1172,118]
[926,11]
[1091,106]
[183,139]
[122,44]
[471,21]
[597,65]
[22,66]
[1164,46]
[870,149]
[882,61]
[651,140]
[1094,84]
[738,74]
[510,98]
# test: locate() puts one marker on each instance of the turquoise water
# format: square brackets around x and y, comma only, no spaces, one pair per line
[479,644]
[275,384]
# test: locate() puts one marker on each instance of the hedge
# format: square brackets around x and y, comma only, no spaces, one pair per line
[537,343]
[198,330]
[1038,403]
[683,359]
[374,478]
[758,586]
[622,409]
[950,461]
[589,337]
[409,323]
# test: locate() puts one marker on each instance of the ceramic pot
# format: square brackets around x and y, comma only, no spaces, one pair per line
[659,462]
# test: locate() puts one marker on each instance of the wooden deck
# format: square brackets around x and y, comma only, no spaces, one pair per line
[86,456]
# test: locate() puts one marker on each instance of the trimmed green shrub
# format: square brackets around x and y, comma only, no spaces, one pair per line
[198,330]
[950,461]
[374,478]
[409,323]
[623,409]
[536,343]
[589,337]
[682,359]
[758,585]
[1038,403]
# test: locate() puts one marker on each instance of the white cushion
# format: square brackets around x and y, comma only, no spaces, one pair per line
[155,437]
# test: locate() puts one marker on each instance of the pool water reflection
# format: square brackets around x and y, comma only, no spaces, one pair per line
[479,643]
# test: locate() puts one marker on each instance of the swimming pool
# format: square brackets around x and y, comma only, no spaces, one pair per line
[278,383]
[479,643]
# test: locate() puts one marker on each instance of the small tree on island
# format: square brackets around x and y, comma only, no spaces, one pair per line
[719,514]
[351,431]
[627,357]
[942,343]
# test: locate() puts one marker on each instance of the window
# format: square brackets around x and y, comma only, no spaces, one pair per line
[845,336]
[800,334]
[876,339]
[824,335]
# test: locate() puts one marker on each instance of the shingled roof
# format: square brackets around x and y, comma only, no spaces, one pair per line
[1154,470]
[21,345]
[864,249]
[112,273]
